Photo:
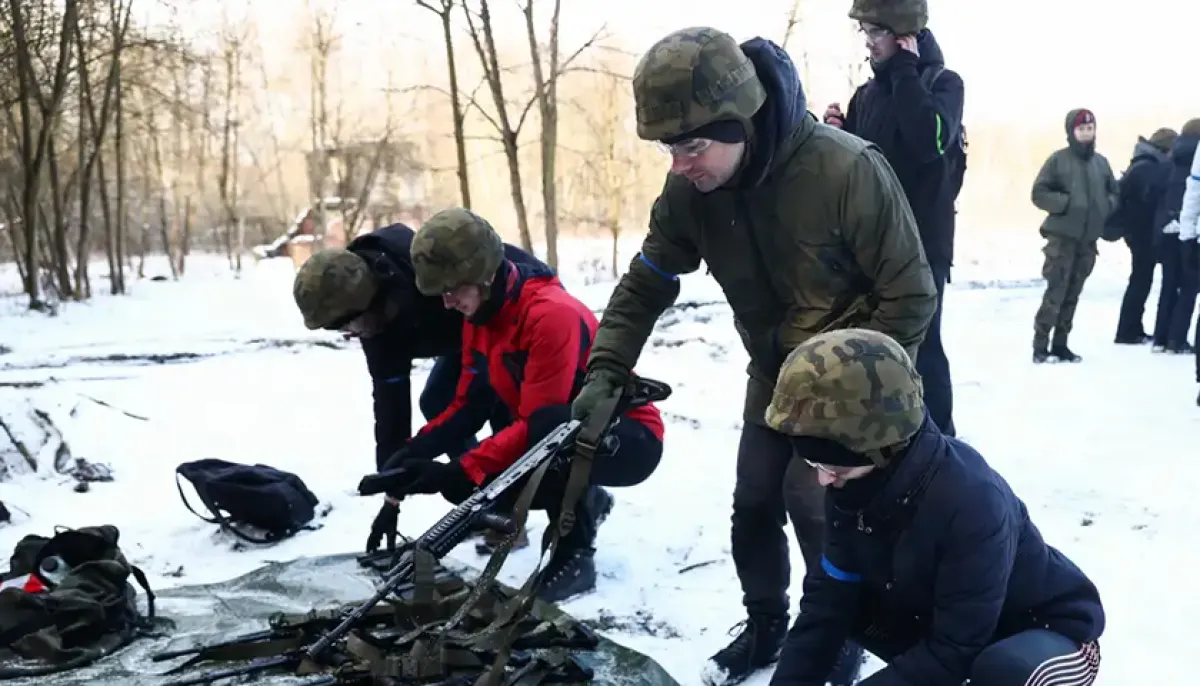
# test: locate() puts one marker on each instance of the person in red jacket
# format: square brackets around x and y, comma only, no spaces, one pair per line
[526,342]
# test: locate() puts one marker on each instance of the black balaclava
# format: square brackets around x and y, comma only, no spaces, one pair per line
[496,294]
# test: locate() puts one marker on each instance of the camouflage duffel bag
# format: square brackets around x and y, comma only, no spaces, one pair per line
[67,601]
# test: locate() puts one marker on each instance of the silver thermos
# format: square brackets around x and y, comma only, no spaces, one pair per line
[53,570]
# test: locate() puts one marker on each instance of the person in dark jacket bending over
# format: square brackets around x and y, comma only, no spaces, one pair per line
[1077,190]
[1139,191]
[931,561]
[368,290]
[913,110]
[525,342]
[806,229]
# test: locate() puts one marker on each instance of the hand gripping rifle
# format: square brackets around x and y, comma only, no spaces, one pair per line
[452,529]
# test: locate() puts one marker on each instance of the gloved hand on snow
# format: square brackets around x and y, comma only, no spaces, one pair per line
[384,526]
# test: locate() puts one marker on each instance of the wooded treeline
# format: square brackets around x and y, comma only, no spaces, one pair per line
[126,137]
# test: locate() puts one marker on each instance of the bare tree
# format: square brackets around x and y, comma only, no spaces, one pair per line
[545,81]
[35,137]
[164,189]
[480,29]
[323,43]
[93,127]
[227,184]
[444,11]
[610,168]
[795,24]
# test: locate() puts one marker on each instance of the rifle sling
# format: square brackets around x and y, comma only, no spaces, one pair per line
[587,442]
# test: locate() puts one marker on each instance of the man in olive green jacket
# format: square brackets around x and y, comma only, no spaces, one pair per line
[1077,190]
[806,229]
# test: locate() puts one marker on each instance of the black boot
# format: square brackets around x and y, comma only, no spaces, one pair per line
[1064,354]
[755,647]
[1040,354]
[1135,339]
[571,572]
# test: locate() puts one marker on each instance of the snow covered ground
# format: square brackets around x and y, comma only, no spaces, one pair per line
[1101,451]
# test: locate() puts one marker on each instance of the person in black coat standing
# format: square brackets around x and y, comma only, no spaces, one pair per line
[931,562]
[1179,259]
[912,110]
[1141,186]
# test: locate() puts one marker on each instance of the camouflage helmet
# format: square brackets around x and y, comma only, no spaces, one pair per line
[856,387]
[332,285]
[901,17]
[453,248]
[691,78]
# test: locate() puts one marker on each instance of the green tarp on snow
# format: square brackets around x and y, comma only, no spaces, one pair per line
[215,612]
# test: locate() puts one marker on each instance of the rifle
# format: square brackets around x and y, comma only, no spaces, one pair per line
[448,532]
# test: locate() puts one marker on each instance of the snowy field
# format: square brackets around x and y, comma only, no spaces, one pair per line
[212,366]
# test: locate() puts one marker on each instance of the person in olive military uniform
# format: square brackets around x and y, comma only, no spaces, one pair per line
[807,229]
[1077,190]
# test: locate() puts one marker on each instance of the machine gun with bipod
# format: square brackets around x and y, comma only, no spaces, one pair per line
[429,633]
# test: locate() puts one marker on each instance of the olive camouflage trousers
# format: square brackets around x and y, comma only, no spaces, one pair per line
[1068,264]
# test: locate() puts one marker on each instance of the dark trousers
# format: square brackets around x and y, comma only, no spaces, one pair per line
[1141,278]
[771,487]
[933,366]
[629,455]
[1177,299]
[1068,263]
[439,393]
[1035,658]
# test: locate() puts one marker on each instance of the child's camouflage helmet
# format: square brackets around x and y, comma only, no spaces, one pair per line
[332,285]
[853,386]
[453,248]
[901,17]
[691,78]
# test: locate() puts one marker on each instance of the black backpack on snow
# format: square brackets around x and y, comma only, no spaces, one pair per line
[957,154]
[262,497]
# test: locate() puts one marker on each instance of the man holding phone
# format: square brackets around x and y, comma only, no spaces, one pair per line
[912,110]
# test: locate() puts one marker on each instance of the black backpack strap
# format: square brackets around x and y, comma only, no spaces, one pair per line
[140,577]
[221,520]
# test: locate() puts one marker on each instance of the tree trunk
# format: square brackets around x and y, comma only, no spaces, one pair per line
[58,237]
[110,242]
[119,219]
[164,216]
[485,46]
[185,236]
[456,107]
[546,83]
[33,148]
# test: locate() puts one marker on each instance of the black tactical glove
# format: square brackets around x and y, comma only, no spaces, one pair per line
[384,526]
[447,478]
[599,385]
[392,461]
